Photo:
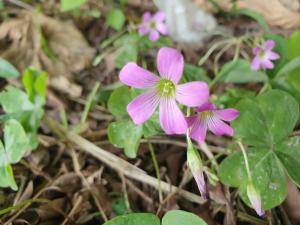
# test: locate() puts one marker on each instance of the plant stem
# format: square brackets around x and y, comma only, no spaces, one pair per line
[89,102]
[156,167]
[246,160]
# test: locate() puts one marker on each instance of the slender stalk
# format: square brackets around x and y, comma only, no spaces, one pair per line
[246,159]
[89,102]
[157,171]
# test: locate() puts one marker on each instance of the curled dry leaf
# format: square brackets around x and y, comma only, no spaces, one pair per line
[283,13]
[32,39]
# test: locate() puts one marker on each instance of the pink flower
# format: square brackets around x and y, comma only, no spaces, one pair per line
[255,199]
[163,91]
[153,25]
[263,56]
[208,117]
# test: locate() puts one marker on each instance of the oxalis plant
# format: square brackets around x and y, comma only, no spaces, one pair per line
[264,153]
[179,99]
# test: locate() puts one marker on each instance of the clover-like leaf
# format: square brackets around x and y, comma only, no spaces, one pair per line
[265,124]
[179,217]
[135,219]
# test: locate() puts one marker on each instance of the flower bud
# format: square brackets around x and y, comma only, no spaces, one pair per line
[255,199]
[196,166]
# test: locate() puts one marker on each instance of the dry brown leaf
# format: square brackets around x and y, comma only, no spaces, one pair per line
[283,13]
[22,42]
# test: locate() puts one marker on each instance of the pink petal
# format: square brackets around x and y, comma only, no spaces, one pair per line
[256,50]
[144,29]
[154,35]
[267,64]
[170,64]
[147,17]
[137,77]
[159,16]
[199,177]
[198,131]
[171,118]
[228,114]
[218,127]
[192,94]
[162,28]
[269,44]
[255,65]
[191,120]
[205,107]
[272,55]
[142,107]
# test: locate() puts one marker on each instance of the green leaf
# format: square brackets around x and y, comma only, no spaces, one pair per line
[7,70]
[7,178]
[135,219]
[115,19]
[15,140]
[267,172]
[239,71]
[179,217]
[35,83]
[125,134]
[293,46]
[119,100]
[275,113]
[194,73]
[256,16]
[289,67]
[289,154]
[66,5]
[14,100]
[152,126]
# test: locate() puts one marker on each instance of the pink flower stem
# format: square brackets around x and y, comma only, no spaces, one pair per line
[246,160]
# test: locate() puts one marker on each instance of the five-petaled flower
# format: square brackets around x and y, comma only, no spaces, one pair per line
[163,91]
[263,56]
[153,25]
[208,117]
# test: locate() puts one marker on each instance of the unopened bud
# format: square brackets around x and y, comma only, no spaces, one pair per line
[255,199]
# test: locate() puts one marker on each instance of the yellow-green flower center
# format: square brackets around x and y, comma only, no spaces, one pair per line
[152,25]
[165,88]
[206,115]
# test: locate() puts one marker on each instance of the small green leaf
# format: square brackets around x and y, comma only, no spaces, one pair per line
[119,100]
[116,19]
[179,217]
[289,67]
[239,71]
[125,134]
[66,5]
[35,83]
[7,178]
[7,70]
[194,73]
[15,140]
[14,100]
[135,219]
[152,126]
[293,46]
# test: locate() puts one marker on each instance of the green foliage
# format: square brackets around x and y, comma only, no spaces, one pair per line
[292,44]
[23,113]
[15,146]
[125,134]
[118,101]
[194,73]
[174,217]
[179,217]
[275,114]
[115,19]
[66,5]
[7,70]
[239,71]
